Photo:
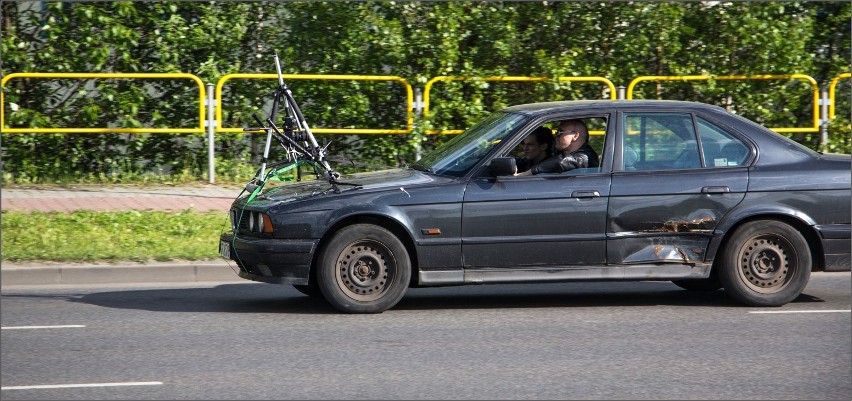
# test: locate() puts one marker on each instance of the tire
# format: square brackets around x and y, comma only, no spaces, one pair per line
[363,269]
[765,263]
[309,290]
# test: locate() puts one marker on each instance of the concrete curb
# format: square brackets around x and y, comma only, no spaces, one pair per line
[185,272]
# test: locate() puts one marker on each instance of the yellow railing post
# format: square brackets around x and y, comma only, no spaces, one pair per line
[831,92]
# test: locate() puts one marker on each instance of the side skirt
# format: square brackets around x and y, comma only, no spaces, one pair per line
[657,272]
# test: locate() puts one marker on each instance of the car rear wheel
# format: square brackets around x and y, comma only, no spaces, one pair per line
[766,263]
[363,269]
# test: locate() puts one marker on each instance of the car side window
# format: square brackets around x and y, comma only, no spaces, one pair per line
[527,150]
[659,141]
[597,136]
[720,148]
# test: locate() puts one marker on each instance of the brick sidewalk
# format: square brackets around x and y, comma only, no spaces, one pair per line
[117,198]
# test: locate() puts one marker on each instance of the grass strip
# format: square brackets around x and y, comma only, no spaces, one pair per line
[128,235]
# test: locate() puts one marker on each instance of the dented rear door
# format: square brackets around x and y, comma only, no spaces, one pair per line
[669,216]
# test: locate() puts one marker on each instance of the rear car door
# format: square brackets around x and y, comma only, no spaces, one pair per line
[674,185]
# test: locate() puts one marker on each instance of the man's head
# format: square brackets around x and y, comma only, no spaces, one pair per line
[538,144]
[571,135]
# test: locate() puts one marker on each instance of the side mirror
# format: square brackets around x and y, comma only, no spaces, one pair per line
[503,166]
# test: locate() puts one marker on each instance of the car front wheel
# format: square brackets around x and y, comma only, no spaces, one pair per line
[363,269]
[766,263]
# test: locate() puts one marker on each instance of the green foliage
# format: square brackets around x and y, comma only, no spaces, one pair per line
[414,40]
[133,235]
[841,136]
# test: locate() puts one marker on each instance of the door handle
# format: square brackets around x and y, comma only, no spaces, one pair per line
[715,190]
[585,194]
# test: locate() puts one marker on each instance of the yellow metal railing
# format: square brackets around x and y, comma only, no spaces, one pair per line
[428,88]
[115,75]
[409,93]
[831,92]
[814,86]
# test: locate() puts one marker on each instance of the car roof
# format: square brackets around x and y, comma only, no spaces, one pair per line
[579,105]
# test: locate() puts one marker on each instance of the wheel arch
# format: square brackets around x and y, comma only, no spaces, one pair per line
[388,223]
[805,228]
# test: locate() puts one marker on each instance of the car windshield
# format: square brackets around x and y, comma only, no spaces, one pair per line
[458,155]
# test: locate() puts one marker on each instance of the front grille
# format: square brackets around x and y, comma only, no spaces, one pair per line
[241,218]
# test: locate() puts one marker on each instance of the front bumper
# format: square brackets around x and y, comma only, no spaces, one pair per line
[270,260]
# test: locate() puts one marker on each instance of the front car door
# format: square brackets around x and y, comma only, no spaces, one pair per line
[525,223]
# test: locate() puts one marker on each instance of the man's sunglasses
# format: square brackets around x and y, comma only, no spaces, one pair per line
[561,132]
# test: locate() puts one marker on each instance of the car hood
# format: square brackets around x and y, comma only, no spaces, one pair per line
[377,180]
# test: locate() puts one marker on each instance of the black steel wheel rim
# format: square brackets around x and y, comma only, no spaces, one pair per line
[365,270]
[767,263]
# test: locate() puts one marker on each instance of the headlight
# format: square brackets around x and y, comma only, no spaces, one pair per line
[234,215]
[253,222]
[260,223]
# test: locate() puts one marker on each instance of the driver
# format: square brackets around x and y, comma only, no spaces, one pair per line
[572,142]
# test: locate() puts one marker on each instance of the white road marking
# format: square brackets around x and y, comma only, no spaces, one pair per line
[46,386]
[807,311]
[66,326]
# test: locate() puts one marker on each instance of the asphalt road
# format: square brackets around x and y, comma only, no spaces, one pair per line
[243,340]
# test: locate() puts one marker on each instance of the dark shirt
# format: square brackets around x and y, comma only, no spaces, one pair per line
[580,158]
[524,164]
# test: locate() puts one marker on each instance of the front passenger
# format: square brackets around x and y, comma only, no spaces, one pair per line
[538,146]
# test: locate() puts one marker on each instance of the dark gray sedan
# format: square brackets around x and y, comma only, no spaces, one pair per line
[685,192]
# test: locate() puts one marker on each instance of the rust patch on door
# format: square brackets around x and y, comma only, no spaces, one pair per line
[701,224]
